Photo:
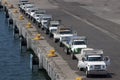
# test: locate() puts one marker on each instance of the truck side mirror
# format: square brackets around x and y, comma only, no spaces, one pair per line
[107,60]
[74,32]
[59,21]
[86,41]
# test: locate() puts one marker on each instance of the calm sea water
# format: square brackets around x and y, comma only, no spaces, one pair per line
[13,64]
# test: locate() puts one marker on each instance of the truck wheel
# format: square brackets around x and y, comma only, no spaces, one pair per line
[55,40]
[42,28]
[66,50]
[72,56]
[87,74]
[80,69]
[60,44]
[45,31]
[50,36]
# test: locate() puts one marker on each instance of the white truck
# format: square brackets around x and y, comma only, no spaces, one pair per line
[22,6]
[73,45]
[52,27]
[93,62]
[43,21]
[30,10]
[22,2]
[62,32]
[36,15]
[26,6]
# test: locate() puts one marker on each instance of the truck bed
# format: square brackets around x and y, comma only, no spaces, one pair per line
[78,56]
[65,44]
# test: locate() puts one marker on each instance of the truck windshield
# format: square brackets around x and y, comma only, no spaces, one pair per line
[33,10]
[39,13]
[45,23]
[53,30]
[54,25]
[79,43]
[46,18]
[29,6]
[66,32]
[94,58]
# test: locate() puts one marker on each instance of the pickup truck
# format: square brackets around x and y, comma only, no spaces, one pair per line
[62,32]
[22,2]
[73,45]
[43,21]
[30,10]
[22,5]
[36,15]
[26,6]
[93,62]
[52,27]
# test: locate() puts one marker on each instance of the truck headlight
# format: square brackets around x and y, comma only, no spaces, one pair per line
[103,66]
[91,67]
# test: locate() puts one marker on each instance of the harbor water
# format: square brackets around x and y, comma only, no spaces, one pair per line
[15,65]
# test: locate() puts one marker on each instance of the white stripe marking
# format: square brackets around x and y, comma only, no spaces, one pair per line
[94,26]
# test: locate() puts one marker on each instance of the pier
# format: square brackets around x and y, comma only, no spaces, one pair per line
[45,56]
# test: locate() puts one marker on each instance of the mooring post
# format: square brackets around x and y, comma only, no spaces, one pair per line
[40,61]
[6,13]
[10,22]
[15,31]
[1,6]
[31,60]
[20,43]
[23,43]
[28,43]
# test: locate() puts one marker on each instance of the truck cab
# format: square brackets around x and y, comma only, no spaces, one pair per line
[62,32]
[22,5]
[74,44]
[93,62]
[77,43]
[31,11]
[27,6]
[52,27]
[36,15]
[22,2]
[43,20]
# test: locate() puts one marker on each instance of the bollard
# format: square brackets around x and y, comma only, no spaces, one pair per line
[15,11]
[38,37]
[11,6]
[52,54]
[29,25]
[5,2]
[21,17]
[79,78]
